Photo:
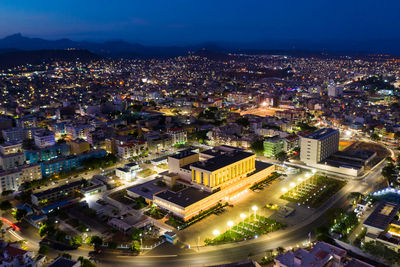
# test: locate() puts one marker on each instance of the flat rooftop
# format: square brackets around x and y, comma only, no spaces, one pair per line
[322,133]
[273,139]
[358,155]
[185,197]
[58,189]
[344,163]
[183,154]
[148,189]
[219,150]
[382,216]
[221,161]
[261,165]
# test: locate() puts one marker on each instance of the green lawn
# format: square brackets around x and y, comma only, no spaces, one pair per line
[250,228]
[314,192]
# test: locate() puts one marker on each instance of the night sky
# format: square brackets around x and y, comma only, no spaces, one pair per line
[189,22]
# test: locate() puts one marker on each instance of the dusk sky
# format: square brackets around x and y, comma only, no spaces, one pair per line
[188,22]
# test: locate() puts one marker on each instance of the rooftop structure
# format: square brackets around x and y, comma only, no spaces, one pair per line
[183,198]
[146,190]
[64,262]
[322,134]
[322,254]
[382,216]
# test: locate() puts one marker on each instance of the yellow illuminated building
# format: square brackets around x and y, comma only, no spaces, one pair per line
[215,175]
[223,170]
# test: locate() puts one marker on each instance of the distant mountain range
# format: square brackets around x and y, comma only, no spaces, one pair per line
[17,49]
[15,58]
[114,49]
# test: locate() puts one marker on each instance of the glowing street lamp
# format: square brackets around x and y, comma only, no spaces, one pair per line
[230,225]
[284,190]
[255,208]
[216,232]
[243,216]
[292,184]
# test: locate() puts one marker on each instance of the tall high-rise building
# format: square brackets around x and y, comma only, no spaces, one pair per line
[319,145]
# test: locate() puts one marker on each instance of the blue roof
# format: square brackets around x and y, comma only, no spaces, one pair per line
[24,206]
[47,209]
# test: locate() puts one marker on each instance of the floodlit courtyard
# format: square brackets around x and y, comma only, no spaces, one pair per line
[251,227]
[242,211]
[313,191]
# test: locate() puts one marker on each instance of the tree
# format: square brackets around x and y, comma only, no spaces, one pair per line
[397,135]
[136,234]
[355,196]
[304,127]
[95,241]
[43,250]
[20,214]
[60,236]
[76,241]
[135,246]
[86,262]
[47,228]
[258,146]
[375,137]
[243,122]
[281,156]
[5,205]
[66,255]
[389,172]
[112,245]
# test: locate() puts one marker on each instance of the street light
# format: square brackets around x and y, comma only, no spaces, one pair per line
[243,216]
[216,232]
[292,184]
[230,224]
[255,208]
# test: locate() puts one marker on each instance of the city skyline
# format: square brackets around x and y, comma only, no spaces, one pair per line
[258,24]
[199,133]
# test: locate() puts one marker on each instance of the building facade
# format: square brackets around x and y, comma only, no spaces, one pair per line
[273,146]
[319,145]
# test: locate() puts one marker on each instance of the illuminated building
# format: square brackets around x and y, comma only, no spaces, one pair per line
[319,145]
[13,179]
[273,146]
[44,138]
[214,175]
[383,225]
[47,153]
[78,146]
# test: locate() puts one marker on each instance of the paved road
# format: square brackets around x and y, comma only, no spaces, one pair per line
[238,251]
[235,252]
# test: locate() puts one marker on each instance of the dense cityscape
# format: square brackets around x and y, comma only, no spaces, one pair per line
[204,157]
